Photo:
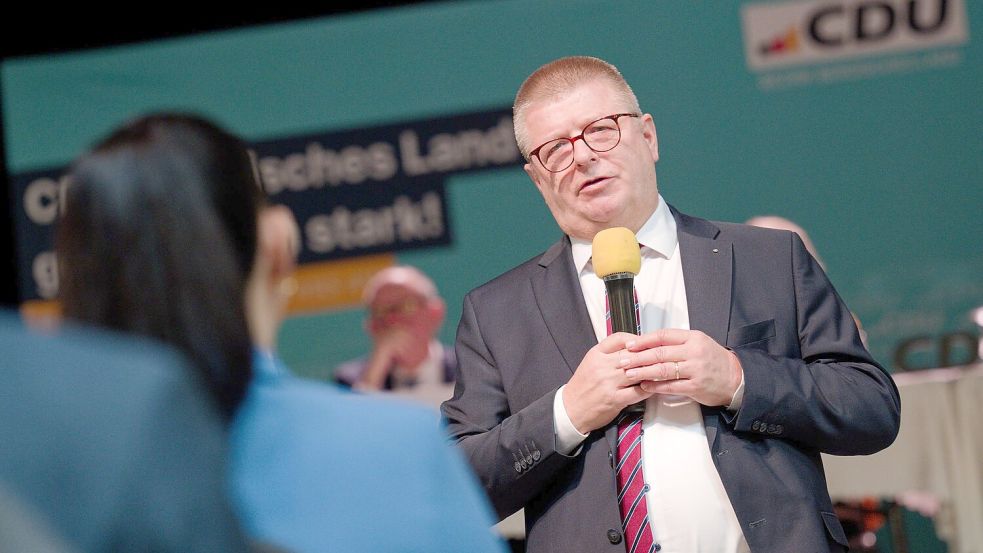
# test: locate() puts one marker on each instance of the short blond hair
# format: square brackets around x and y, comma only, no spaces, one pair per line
[558,77]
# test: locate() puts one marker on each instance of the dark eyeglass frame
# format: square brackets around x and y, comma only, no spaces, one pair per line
[574,139]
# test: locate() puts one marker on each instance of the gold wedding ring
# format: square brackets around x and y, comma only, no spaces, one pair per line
[676,364]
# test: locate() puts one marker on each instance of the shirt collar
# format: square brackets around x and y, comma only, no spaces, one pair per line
[657,234]
[266,364]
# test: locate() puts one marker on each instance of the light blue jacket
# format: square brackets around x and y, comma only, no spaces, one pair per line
[316,468]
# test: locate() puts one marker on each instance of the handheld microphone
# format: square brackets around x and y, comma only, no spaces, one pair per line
[617,260]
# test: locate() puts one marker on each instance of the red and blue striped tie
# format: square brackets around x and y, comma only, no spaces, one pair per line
[631,484]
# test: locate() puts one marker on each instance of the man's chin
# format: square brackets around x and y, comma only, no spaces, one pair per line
[599,220]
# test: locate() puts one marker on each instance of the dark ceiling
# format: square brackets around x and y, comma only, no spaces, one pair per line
[41,28]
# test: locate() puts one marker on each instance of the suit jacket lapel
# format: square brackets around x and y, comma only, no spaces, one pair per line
[707,273]
[560,300]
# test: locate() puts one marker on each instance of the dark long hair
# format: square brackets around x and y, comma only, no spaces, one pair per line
[158,238]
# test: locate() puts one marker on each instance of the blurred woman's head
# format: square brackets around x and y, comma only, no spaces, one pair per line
[159,237]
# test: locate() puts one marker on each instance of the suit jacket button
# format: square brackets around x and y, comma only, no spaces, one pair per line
[536,455]
[779,429]
[772,428]
[614,536]
[756,425]
[517,466]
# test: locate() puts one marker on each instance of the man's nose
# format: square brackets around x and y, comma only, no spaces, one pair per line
[582,154]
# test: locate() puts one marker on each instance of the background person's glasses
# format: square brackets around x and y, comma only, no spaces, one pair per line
[600,135]
[405,307]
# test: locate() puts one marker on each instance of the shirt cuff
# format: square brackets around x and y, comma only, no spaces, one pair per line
[568,438]
[738,398]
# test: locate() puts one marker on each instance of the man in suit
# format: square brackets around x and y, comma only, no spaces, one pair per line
[748,364]
[109,444]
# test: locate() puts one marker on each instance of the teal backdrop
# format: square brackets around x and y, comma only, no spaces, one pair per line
[878,156]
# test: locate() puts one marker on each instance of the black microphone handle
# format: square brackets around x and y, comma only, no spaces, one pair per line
[621,304]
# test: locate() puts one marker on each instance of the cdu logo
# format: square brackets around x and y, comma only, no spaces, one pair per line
[786,43]
[786,34]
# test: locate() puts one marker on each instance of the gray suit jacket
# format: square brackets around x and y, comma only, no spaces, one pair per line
[810,387]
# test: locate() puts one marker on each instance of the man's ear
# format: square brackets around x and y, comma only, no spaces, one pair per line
[650,136]
[438,310]
[279,241]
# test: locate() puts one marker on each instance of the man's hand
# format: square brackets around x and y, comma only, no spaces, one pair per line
[683,362]
[599,389]
[395,343]
[388,349]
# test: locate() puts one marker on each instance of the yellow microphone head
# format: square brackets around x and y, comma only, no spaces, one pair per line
[615,250]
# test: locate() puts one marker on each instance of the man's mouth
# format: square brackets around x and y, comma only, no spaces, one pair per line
[591,184]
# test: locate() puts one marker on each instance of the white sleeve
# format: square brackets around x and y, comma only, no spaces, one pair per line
[568,438]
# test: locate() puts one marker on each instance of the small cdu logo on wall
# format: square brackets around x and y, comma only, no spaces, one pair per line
[780,35]
[785,43]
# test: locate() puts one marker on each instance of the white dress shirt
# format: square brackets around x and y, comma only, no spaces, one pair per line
[688,506]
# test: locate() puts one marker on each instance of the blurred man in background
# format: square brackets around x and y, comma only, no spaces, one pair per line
[404,315]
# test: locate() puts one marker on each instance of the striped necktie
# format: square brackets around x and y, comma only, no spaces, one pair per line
[631,484]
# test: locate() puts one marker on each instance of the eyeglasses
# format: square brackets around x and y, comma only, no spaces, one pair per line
[601,135]
[405,307]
